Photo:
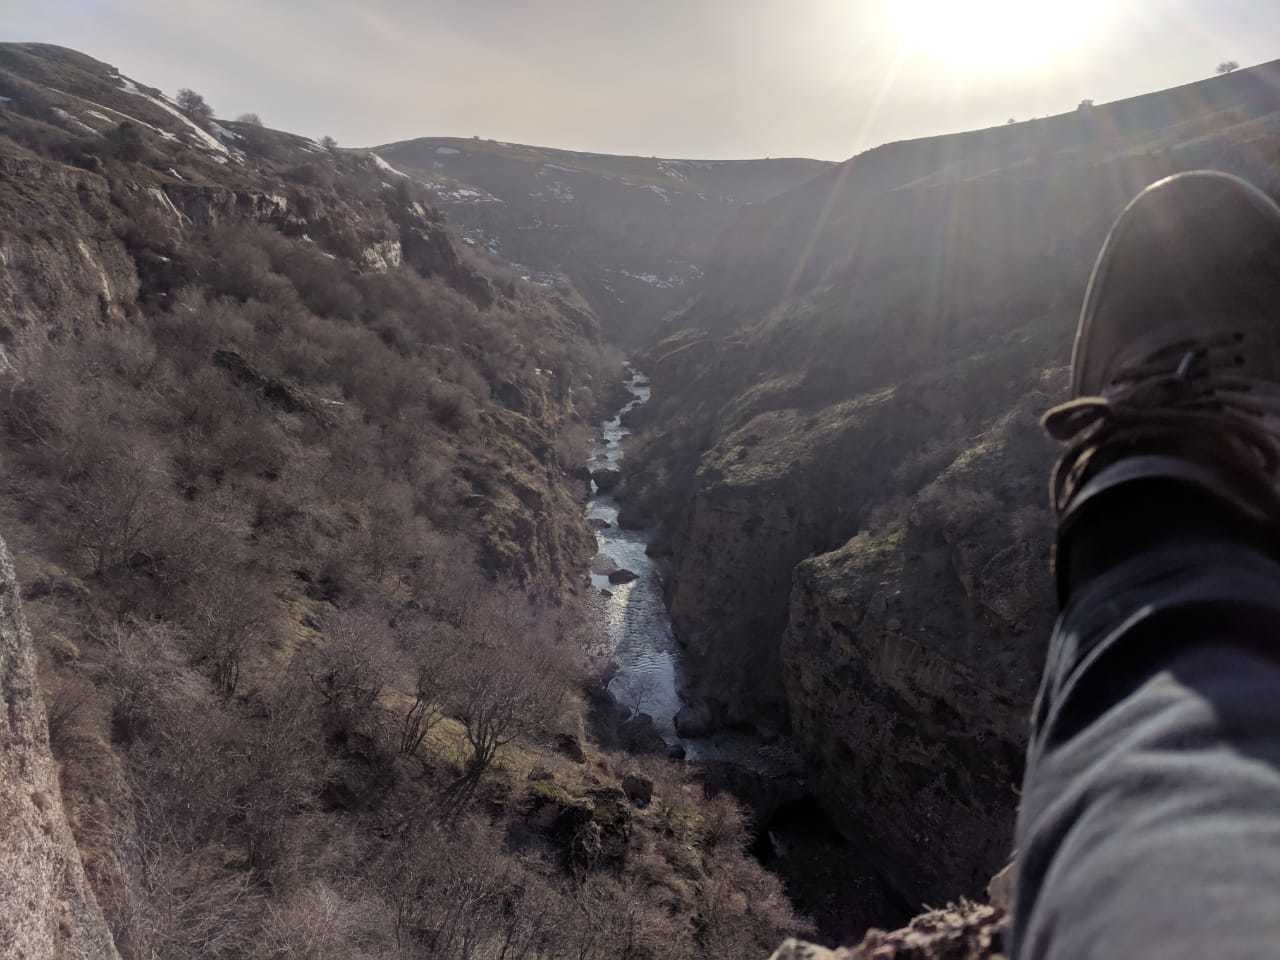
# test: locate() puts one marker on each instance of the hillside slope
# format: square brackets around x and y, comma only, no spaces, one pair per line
[631,233]
[843,457]
[293,484]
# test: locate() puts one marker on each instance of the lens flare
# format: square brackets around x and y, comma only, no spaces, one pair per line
[994,36]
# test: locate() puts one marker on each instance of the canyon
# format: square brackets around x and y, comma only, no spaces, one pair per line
[823,475]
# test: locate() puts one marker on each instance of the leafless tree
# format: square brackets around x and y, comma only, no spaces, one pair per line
[435,675]
[1227,66]
[513,681]
[349,674]
[250,118]
[194,105]
[227,617]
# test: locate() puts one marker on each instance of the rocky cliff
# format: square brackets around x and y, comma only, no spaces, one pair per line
[631,233]
[842,455]
[49,910]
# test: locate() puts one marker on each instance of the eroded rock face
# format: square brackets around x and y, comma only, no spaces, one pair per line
[911,660]
[963,931]
[47,909]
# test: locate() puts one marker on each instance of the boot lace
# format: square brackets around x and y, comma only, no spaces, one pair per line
[1173,401]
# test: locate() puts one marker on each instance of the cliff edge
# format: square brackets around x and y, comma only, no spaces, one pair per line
[47,907]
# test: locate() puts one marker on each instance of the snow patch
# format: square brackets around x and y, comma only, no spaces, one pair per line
[176,174]
[446,151]
[6,99]
[386,167]
[659,191]
[102,274]
[206,139]
[652,279]
[224,133]
[561,192]
[163,199]
[447,194]
[75,122]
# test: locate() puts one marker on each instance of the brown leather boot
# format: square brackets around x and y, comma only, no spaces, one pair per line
[1176,368]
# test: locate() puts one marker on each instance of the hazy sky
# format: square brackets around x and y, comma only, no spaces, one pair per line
[679,78]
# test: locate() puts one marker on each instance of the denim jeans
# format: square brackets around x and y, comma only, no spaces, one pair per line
[1150,818]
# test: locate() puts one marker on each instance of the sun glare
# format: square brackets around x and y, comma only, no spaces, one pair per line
[994,36]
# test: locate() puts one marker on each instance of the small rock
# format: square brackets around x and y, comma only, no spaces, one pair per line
[639,790]
[1000,889]
[606,479]
[695,720]
[599,523]
[603,564]
[623,576]
[571,746]
[57,586]
[639,735]
[541,773]
[606,593]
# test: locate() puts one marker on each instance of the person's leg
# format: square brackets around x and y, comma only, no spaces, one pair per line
[1150,818]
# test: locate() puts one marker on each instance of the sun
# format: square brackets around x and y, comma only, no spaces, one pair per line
[993,36]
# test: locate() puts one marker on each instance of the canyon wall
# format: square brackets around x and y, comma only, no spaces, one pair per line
[843,459]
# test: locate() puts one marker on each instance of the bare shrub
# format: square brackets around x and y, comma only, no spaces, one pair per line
[66,704]
[513,681]
[194,105]
[349,674]
[230,614]
[724,823]
[190,908]
[284,765]
[435,673]
[456,895]
[320,923]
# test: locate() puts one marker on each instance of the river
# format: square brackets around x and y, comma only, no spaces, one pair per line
[634,627]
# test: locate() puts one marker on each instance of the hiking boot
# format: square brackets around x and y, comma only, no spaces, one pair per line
[1176,367]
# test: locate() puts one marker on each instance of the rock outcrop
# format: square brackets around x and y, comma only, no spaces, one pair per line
[910,658]
[963,931]
[47,909]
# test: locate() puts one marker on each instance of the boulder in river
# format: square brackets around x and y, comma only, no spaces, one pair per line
[697,720]
[603,564]
[623,576]
[606,479]
[599,523]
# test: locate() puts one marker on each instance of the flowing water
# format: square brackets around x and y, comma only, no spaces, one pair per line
[635,627]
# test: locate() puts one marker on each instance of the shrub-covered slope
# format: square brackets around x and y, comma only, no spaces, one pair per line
[288,476]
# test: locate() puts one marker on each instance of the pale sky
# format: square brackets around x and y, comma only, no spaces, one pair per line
[675,78]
